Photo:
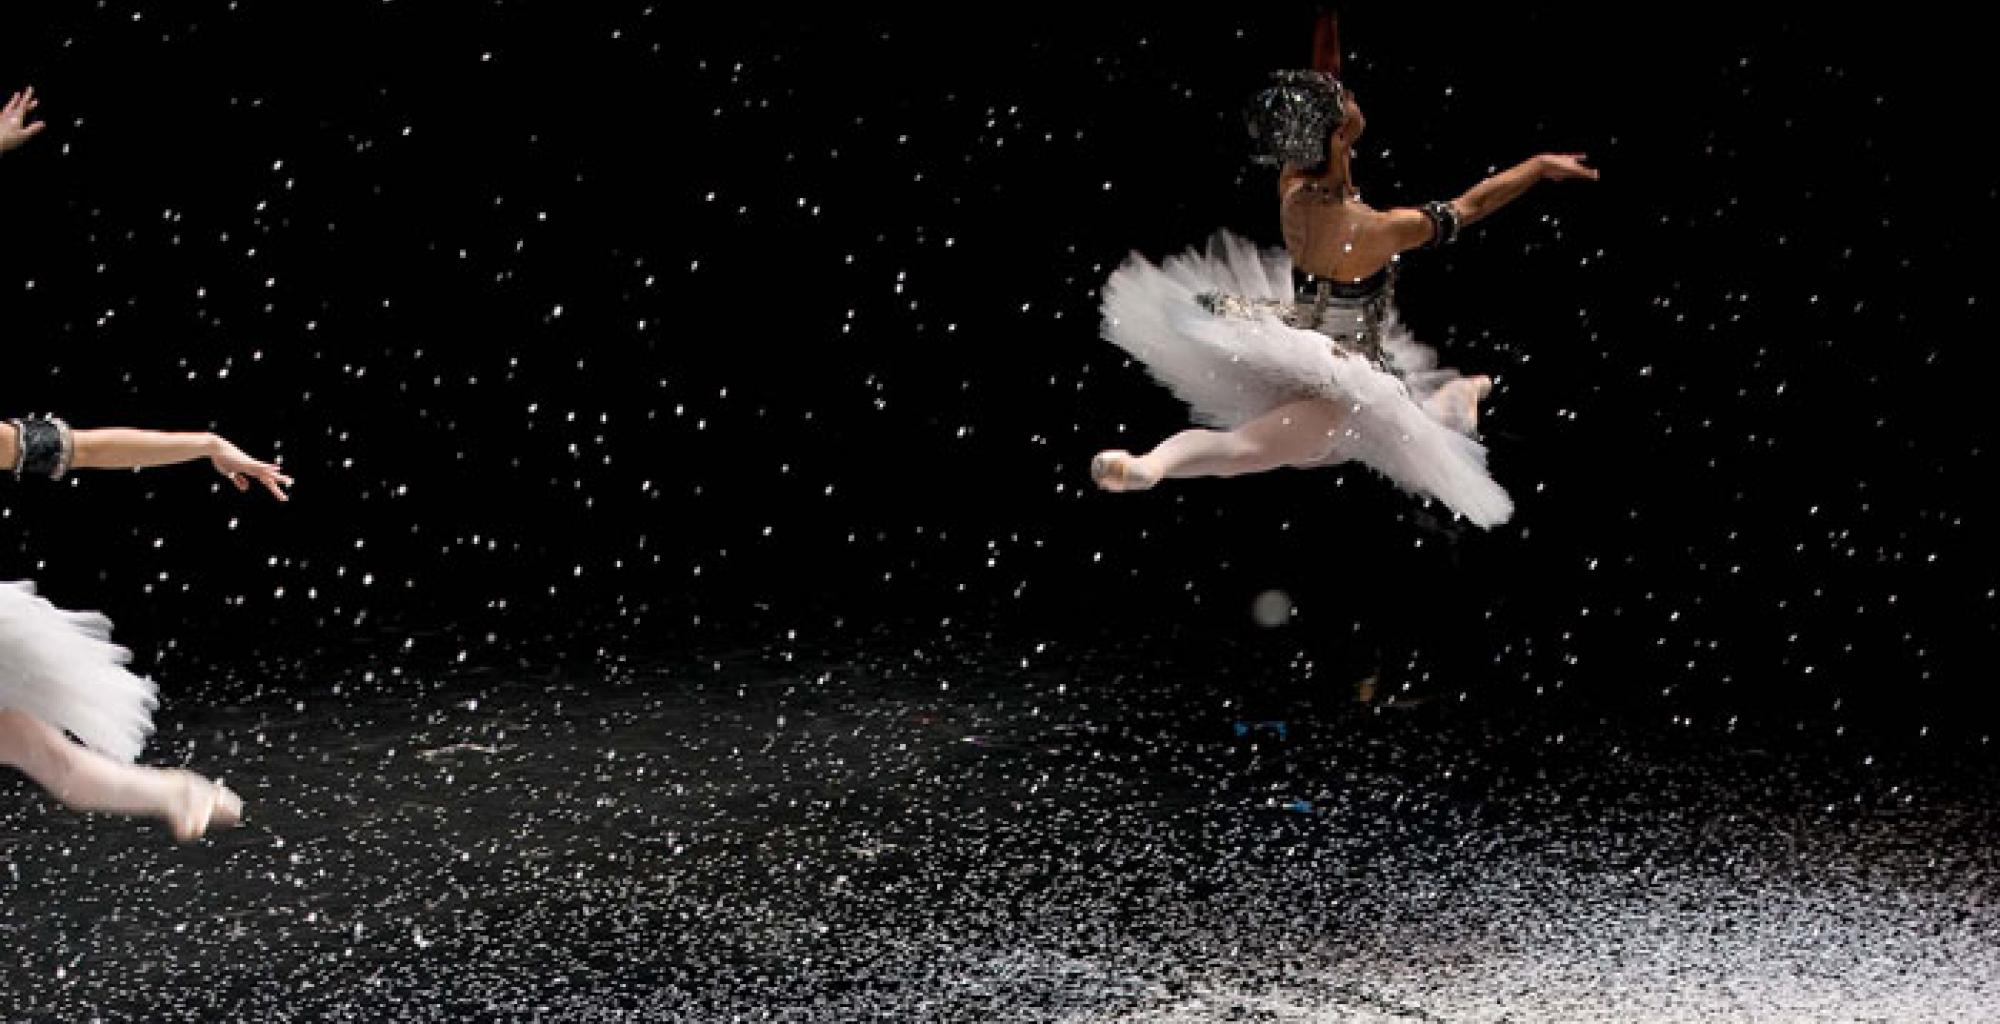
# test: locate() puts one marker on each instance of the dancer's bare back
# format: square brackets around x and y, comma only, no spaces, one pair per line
[1344,239]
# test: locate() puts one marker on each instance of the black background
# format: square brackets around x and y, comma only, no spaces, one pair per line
[603,323]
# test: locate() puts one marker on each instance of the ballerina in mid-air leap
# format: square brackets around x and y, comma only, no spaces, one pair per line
[1320,371]
[60,674]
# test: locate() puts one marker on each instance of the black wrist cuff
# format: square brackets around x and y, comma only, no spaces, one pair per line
[47,447]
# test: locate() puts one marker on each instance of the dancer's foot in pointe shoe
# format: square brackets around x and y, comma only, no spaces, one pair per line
[1477,388]
[1481,389]
[204,804]
[1119,471]
[1456,405]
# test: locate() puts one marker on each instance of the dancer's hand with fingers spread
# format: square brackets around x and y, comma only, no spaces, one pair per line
[241,469]
[1564,166]
[14,129]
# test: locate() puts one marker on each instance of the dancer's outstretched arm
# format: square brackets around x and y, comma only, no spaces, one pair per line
[1413,228]
[1482,199]
[126,448]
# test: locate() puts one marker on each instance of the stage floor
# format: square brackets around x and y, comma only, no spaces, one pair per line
[980,828]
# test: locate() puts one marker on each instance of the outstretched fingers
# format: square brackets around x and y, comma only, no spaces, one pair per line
[272,479]
[1570,165]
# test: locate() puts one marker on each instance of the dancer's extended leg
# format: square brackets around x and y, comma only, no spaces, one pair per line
[1300,434]
[86,780]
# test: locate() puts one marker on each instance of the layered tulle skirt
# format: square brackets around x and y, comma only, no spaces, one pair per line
[1231,362]
[61,667]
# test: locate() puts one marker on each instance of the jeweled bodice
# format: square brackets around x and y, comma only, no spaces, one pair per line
[1350,313]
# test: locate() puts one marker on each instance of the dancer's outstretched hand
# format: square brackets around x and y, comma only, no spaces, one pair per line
[241,469]
[1564,166]
[14,128]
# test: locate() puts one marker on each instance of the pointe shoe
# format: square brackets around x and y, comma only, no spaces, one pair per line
[205,803]
[1482,388]
[1463,412]
[1118,471]
[228,810]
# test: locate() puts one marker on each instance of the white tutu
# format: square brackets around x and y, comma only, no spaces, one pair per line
[1232,367]
[62,668]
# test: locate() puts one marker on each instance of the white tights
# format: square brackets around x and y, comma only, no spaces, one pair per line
[1305,433]
[85,780]
[1299,434]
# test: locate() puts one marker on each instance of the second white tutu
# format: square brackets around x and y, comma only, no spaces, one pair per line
[61,667]
[1233,364]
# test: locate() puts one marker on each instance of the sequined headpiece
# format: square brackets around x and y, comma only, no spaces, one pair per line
[1292,118]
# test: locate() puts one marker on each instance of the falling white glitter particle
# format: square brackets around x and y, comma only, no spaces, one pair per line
[1271,609]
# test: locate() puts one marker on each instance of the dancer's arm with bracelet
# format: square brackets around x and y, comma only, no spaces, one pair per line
[46,446]
[1415,227]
